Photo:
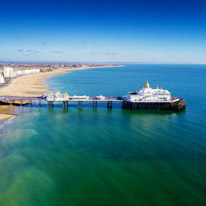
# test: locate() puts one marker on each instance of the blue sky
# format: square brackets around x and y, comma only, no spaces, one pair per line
[103,31]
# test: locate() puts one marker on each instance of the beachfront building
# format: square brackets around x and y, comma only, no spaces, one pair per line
[30,71]
[147,94]
[18,73]
[8,72]
[27,71]
[2,81]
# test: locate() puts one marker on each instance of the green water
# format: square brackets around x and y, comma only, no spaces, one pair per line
[108,157]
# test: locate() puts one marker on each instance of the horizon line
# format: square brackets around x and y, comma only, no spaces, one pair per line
[90,62]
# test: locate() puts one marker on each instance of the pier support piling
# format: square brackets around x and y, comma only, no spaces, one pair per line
[94,104]
[80,104]
[65,104]
[109,104]
[39,103]
[50,104]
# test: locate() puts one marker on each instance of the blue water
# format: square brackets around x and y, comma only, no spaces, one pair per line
[109,157]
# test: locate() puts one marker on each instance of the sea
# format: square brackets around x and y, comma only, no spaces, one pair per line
[102,157]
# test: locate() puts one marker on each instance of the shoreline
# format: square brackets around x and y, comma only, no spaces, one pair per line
[32,85]
[4,122]
[7,112]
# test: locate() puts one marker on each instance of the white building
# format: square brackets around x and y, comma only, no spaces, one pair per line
[100,97]
[147,94]
[75,97]
[30,71]
[65,97]
[2,79]
[27,71]
[57,97]
[8,72]
[17,73]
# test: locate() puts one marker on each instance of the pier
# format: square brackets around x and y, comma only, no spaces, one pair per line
[144,98]
[94,101]
[174,104]
[21,101]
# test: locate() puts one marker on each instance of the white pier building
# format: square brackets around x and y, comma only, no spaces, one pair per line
[75,97]
[57,97]
[65,97]
[147,94]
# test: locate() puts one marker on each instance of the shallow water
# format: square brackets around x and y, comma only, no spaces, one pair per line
[109,157]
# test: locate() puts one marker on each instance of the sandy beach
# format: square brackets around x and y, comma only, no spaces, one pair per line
[32,85]
[6,112]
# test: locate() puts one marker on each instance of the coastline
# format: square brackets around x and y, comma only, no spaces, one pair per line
[32,85]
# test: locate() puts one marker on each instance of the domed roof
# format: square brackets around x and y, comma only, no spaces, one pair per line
[57,94]
[146,84]
[66,95]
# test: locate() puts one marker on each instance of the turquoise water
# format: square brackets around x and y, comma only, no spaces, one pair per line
[109,157]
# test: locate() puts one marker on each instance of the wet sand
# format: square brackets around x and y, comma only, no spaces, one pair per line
[6,112]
